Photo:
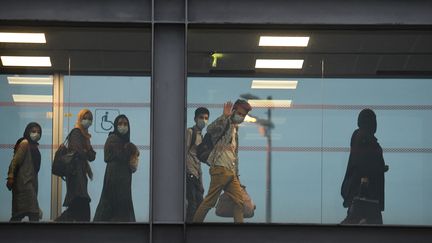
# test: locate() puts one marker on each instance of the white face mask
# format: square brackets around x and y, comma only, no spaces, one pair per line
[35,136]
[201,123]
[237,119]
[86,123]
[122,129]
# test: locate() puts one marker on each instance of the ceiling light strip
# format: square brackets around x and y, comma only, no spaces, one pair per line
[25,61]
[274,84]
[8,37]
[279,63]
[30,80]
[285,41]
[270,103]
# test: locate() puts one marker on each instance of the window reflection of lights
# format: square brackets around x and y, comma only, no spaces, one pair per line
[250,119]
[31,80]
[279,63]
[270,103]
[49,115]
[22,37]
[274,84]
[25,61]
[32,98]
[289,41]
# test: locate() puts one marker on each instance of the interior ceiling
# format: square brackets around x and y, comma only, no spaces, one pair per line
[345,53]
[101,50]
[128,50]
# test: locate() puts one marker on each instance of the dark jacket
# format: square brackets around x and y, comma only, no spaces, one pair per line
[76,183]
[365,160]
[25,187]
[116,199]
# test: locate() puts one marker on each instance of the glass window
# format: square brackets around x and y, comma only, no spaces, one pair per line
[22,104]
[108,97]
[90,78]
[295,145]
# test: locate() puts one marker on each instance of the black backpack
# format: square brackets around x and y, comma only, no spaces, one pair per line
[206,146]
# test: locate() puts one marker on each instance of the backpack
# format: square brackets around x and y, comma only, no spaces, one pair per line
[206,146]
[62,164]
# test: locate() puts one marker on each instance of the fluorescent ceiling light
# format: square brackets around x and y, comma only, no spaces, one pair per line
[279,63]
[22,61]
[32,98]
[31,80]
[296,41]
[270,103]
[22,37]
[273,84]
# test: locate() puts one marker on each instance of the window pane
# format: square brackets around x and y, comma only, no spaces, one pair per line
[303,118]
[107,97]
[15,116]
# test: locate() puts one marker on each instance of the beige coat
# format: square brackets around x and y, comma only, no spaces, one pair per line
[25,187]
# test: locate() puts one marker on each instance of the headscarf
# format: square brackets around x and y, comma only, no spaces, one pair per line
[367,121]
[36,156]
[80,117]
[125,137]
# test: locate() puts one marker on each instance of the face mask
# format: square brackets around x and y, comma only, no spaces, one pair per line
[201,123]
[237,119]
[122,129]
[34,136]
[86,123]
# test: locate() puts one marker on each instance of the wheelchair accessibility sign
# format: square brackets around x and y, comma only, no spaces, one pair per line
[104,120]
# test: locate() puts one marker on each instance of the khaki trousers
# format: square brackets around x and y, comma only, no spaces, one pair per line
[221,179]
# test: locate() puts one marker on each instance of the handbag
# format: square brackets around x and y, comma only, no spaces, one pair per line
[362,209]
[225,205]
[62,163]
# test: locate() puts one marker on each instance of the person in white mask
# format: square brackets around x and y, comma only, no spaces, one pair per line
[116,203]
[77,198]
[22,177]
[194,183]
[224,160]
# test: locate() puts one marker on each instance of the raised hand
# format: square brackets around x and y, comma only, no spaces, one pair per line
[227,111]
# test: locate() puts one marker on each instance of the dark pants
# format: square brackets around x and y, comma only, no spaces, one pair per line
[78,210]
[194,195]
[31,216]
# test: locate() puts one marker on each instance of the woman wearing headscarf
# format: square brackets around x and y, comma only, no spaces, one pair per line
[366,168]
[116,200]
[23,175]
[77,198]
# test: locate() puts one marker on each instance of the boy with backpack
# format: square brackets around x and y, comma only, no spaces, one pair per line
[223,160]
[194,184]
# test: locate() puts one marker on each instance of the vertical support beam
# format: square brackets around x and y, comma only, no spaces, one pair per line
[57,139]
[168,119]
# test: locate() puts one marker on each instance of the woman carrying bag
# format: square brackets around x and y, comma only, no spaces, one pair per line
[77,198]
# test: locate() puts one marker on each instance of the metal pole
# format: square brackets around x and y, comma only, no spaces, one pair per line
[268,168]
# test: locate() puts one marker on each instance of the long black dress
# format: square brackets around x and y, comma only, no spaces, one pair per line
[365,160]
[116,200]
